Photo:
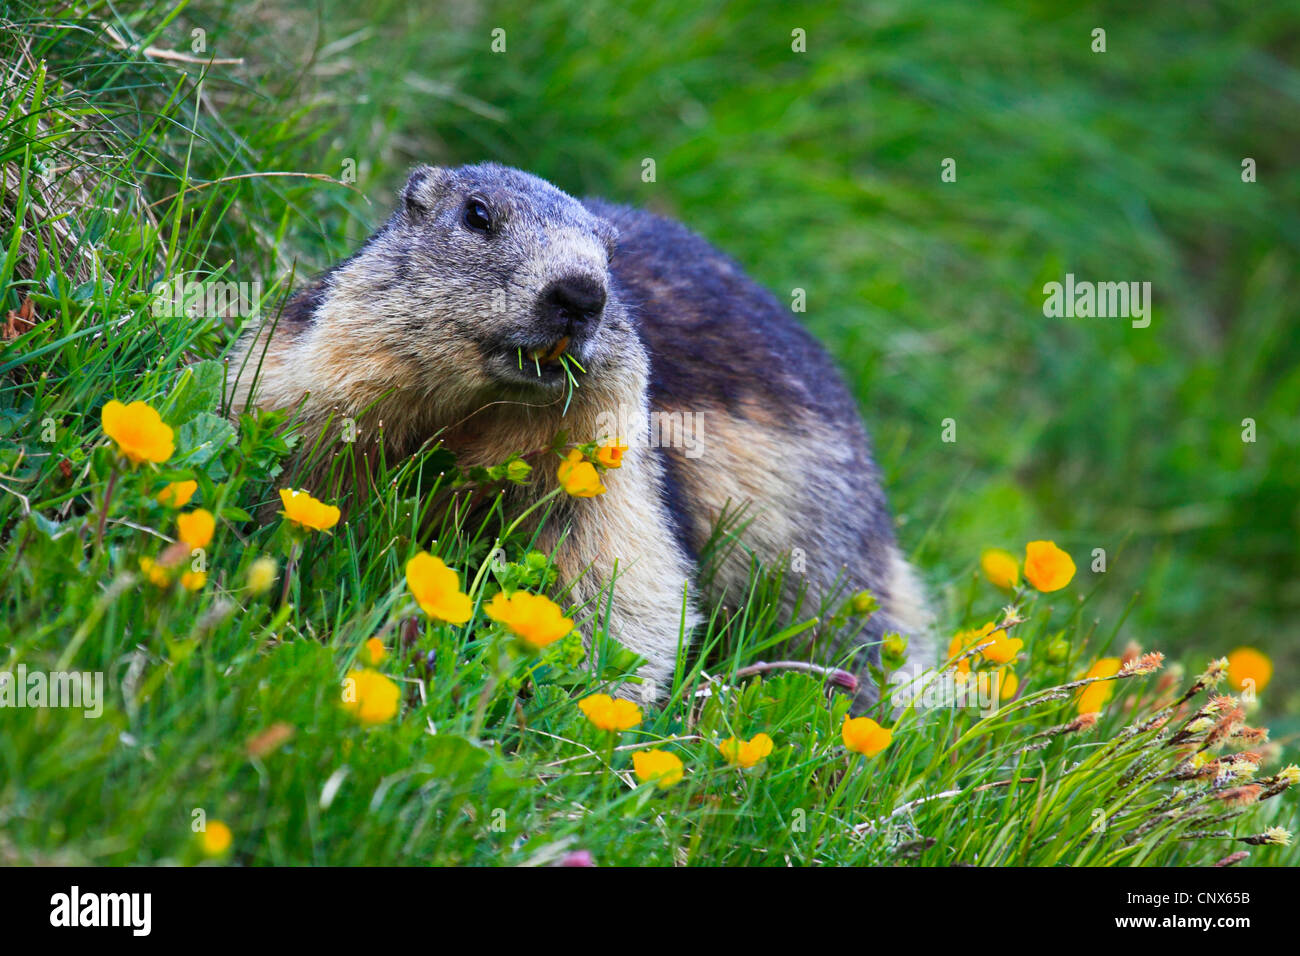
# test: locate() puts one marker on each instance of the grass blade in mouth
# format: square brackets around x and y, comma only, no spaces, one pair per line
[565,359]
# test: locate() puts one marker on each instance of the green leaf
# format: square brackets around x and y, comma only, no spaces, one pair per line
[203,437]
[197,389]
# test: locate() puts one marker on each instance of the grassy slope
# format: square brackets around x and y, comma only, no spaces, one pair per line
[1091,433]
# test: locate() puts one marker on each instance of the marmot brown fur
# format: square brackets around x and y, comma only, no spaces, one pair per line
[725,402]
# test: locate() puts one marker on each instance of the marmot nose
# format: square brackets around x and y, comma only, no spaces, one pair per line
[573,303]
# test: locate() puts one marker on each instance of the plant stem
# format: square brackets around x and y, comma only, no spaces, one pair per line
[489,689]
[289,570]
[103,512]
[478,576]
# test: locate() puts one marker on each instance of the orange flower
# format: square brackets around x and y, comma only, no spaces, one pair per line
[177,494]
[196,528]
[375,650]
[1007,682]
[1047,567]
[963,641]
[578,477]
[608,713]
[863,735]
[746,753]
[611,455]
[306,512]
[533,618]
[1004,648]
[155,572]
[436,588]
[660,766]
[1093,697]
[160,576]
[138,431]
[370,696]
[1249,664]
[215,839]
[1000,568]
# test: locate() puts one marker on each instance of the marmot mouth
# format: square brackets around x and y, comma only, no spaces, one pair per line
[545,366]
[545,356]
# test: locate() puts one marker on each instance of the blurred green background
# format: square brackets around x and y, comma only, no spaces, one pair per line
[821,170]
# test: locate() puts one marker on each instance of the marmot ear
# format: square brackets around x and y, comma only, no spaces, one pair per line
[423,190]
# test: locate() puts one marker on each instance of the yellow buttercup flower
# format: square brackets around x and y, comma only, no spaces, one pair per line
[863,735]
[964,640]
[746,753]
[161,576]
[1047,567]
[138,431]
[155,572]
[436,588]
[370,696]
[215,839]
[1004,648]
[611,455]
[1000,568]
[177,494]
[663,768]
[579,477]
[609,713]
[375,650]
[261,574]
[533,618]
[306,512]
[1249,664]
[1007,682]
[196,528]
[1093,697]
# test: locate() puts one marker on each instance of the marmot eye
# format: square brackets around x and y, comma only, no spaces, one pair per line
[476,216]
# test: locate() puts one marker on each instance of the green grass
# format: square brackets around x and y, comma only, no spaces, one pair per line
[820,171]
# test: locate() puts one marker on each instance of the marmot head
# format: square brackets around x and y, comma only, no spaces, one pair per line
[486,276]
[463,302]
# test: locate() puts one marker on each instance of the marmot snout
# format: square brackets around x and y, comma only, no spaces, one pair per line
[463,317]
